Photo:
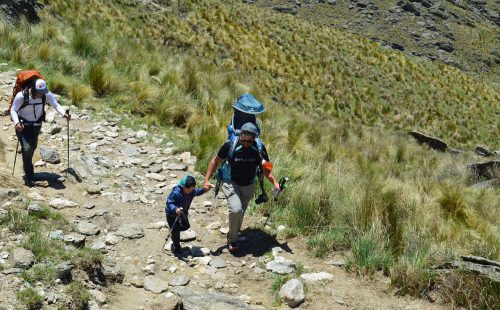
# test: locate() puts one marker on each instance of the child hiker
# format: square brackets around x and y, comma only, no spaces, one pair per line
[177,208]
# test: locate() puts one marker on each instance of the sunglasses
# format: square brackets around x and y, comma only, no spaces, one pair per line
[247,141]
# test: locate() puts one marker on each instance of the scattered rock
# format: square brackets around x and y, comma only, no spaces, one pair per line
[55,129]
[22,258]
[99,296]
[180,280]
[59,203]
[50,155]
[94,189]
[281,265]
[156,177]
[315,277]
[111,239]
[34,209]
[8,193]
[130,151]
[77,239]
[292,293]
[218,263]
[87,229]
[481,151]
[141,134]
[285,9]
[129,197]
[188,235]
[155,285]
[112,271]
[64,270]
[486,170]
[201,300]
[130,231]
[56,235]
[176,167]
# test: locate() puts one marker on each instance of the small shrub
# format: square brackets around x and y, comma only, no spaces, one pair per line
[20,222]
[79,295]
[40,272]
[78,93]
[83,44]
[369,253]
[87,259]
[30,298]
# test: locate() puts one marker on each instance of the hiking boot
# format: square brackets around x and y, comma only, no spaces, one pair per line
[176,249]
[29,182]
[233,247]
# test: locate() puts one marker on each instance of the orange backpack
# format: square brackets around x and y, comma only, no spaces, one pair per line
[24,81]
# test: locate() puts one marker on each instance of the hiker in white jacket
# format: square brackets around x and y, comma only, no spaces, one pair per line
[28,113]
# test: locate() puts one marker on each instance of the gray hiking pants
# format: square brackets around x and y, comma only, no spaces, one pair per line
[238,198]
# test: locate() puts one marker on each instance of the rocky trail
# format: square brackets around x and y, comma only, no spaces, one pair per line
[114,199]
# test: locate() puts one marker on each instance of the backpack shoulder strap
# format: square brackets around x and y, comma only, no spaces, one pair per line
[232,148]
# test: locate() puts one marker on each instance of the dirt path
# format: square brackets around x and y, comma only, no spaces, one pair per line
[119,162]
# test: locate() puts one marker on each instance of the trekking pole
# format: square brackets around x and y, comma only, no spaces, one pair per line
[67,131]
[276,193]
[216,189]
[15,157]
[171,229]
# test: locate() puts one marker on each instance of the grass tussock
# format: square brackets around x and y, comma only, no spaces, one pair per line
[79,295]
[30,298]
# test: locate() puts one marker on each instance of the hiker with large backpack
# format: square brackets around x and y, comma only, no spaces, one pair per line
[243,157]
[27,111]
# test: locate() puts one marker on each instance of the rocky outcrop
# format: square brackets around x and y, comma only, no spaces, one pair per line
[14,10]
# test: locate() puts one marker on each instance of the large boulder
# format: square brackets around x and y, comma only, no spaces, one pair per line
[486,170]
[432,142]
[22,258]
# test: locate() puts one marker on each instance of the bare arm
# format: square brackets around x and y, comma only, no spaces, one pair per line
[269,175]
[214,163]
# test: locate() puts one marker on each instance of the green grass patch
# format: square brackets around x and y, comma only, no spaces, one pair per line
[79,295]
[30,298]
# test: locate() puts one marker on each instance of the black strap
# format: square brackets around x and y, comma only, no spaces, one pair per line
[26,100]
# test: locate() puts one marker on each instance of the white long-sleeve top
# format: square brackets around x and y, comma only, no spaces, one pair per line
[32,112]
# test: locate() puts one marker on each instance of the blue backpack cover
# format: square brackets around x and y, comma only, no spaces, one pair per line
[245,109]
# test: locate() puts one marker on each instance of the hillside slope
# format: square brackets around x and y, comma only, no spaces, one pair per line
[464,34]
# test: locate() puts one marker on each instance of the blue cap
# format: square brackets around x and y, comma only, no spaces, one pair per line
[249,128]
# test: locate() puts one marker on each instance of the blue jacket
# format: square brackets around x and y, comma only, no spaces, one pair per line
[177,199]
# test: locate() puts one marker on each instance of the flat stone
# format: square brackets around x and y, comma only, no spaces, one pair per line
[59,203]
[130,231]
[64,270]
[188,235]
[281,265]
[176,167]
[111,239]
[129,197]
[315,277]
[224,230]
[180,280]
[94,189]
[218,263]
[192,299]
[98,246]
[156,177]
[22,258]
[157,225]
[75,239]
[130,151]
[87,229]
[12,271]
[203,260]
[292,293]
[432,142]
[155,285]
[112,271]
